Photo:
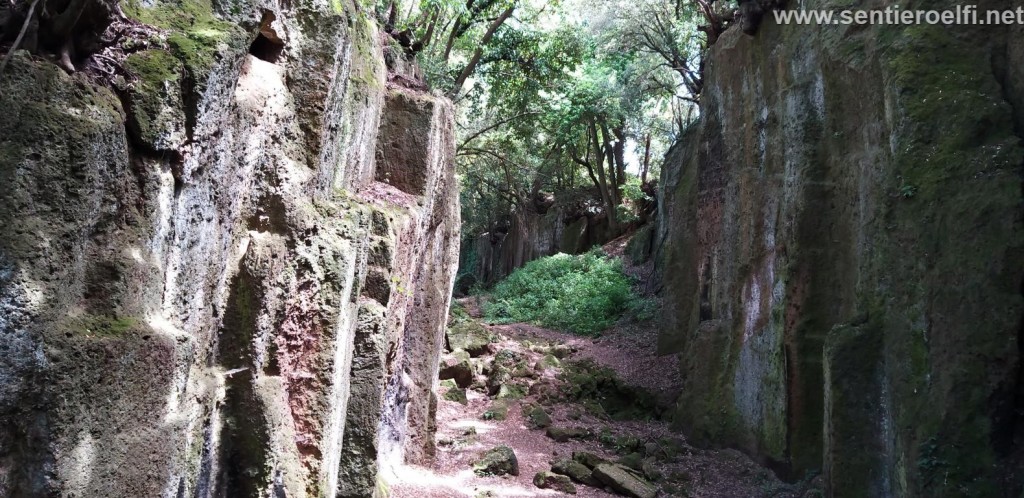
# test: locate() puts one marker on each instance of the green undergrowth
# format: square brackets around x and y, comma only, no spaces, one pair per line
[583,294]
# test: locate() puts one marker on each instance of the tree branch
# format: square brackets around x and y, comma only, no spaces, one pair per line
[21,35]
[471,66]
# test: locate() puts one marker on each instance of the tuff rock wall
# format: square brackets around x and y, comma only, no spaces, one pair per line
[531,235]
[843,254]
[227,271]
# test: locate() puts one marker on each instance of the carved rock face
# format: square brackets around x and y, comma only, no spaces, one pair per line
[819,212]
[185,284]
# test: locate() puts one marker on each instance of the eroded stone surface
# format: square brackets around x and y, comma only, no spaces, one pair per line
[183,283]
[623,481]
[857,189]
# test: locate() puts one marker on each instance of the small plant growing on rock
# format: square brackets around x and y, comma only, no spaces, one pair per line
[907,190]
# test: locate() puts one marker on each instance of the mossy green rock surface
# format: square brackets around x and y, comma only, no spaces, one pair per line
[564,434]
[457,395]
[469,336]
[624,481]
[497,462]
[852,197]
[576,471]
[536,417]
[156,103]
[557,482]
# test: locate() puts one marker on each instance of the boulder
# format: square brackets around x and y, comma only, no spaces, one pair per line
[471,337]
[562,351]
[589,459]
[624,481]
[457,395]
[557,482]
[507,357]
[634,461]
[522,370]
[497,411]
[497,377]
[536,417]
[498,461]
[456,366]
[511,391]
[576,471]
[548,361]
[562,435]
[651,470]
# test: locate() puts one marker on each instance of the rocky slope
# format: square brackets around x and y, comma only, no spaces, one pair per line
[843,260]
[527,411]
[226,271]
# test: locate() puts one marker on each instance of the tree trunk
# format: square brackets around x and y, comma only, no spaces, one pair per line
[606,192]
[646,166]
[429,35]
[451,40]
[471,67]
[609,151]
[620,158]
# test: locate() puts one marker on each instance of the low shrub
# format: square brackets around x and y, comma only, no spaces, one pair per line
[584,294]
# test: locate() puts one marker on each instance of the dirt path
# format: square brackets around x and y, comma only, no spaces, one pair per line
[465,432]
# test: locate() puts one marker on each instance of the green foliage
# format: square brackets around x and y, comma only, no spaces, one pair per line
[458,314]
[584,294]
[555,92]
[633,191]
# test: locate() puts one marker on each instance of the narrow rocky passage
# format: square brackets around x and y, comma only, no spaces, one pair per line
[563,404]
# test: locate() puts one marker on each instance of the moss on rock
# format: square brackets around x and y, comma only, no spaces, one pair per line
[156,107]
[587,382]
[194,33]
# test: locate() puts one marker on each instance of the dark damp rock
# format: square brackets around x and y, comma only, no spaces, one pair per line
[634,461]
[456,366]
[471,337]
[561,351]
[498,376]
[457,395]
[624,481]
[589,459]
[548,361]
[557,482]
[511,391]
[536,417]
[576,471]
[599,388]
[507,358]
[650,469]
[523,371]
[562,435]
[667,449]
[497,411]
[497,462]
